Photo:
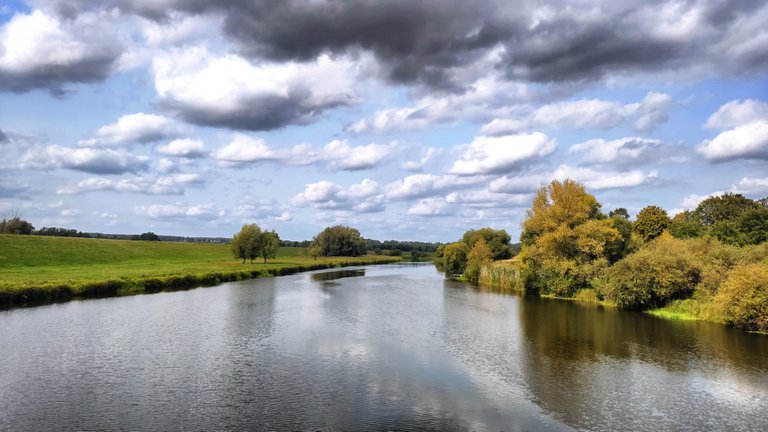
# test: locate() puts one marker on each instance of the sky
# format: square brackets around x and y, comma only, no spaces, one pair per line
[406,119]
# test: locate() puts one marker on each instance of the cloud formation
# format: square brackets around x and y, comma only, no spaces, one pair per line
[745,135]
[90,160]
[139,128]
[497,155]
[42,51]
[169,185]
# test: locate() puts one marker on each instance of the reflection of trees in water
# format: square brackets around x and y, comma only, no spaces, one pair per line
[590,363]
[337,274]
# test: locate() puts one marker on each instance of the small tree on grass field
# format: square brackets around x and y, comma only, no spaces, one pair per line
[251,242]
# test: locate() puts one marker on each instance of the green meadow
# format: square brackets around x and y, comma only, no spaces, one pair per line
[36,269]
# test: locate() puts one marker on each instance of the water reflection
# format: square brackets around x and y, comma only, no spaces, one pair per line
[598,368]
[337,274]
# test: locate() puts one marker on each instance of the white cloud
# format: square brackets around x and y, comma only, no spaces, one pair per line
[38,50]
[629,150]
[423,185]
[489,199]
[416,165]
[431,207]
[363,197]
[336,155]
[587,114]
[184,147]
[133,128]
[229,91]
[749,141]
[601,179]
[90,160]
[491,155]
[522,184]
[178,211]
[169,185]
[751,186]
[737,113]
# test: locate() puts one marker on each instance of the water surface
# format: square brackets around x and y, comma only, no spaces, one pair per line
[377,348]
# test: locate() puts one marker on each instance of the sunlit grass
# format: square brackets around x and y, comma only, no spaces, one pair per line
[34,268]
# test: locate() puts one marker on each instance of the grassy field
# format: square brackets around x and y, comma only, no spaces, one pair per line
[36,269]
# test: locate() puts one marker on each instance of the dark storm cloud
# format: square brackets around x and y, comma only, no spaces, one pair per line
[56,78]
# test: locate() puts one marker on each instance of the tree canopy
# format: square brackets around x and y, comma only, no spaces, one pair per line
[251,243]
[339,240]
[651,222]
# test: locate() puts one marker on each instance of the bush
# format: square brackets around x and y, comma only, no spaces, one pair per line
[743,297]
[662,271]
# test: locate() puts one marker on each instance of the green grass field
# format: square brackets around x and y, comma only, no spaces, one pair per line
[43,269]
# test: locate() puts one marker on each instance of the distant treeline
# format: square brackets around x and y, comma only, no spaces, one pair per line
[388,247]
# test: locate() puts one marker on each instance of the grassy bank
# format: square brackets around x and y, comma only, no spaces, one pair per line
[36,270]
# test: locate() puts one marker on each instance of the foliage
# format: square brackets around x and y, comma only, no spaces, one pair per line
[245,243]
[480,255]
[651,222]
[686,225]
[147,236]
[314,252]
[661,271]
[567,241]
[267,244]
[727,207]
[439,251]
[744,297]
[15,225]
[753,225]
[340,241]
[60,232]
[619,212]
[455,258]
[496,240]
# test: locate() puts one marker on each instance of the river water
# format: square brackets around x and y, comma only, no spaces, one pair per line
[371,348]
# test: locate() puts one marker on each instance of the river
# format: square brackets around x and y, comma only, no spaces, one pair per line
[371,348]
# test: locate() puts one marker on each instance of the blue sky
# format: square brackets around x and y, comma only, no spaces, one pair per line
[406,120]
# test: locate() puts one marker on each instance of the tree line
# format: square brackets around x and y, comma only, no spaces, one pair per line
[711,262]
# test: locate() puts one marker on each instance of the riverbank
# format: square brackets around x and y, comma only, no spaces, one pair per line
[37,270]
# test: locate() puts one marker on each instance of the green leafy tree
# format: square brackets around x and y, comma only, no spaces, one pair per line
[619,212]
[651,222]
[480,255]
[267,244]
[340,241]
[147,236]
[244,244]
[314,252]
[727,232]
[744,297]
[15,225]
[455,258]
[727,207]
[753,225]
[686,225]
[496,240]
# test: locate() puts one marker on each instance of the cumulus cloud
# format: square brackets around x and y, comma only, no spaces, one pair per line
[425,185]
[589,177]
[4,138]
[204,212]
[363,197]
[431,207]
[169,185]
[42,51]
[336,155]
[12,189]
[90,160]
[622,151]
[757,187]
[416,165]
[587,114]
[749,141]
[183,147]
[138,128]
[738,113]
[249,210]
[494,155]
[229,91]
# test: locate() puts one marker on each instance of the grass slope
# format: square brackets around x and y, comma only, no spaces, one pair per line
[36,269]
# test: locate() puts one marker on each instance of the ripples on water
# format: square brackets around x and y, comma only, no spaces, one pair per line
[376,348]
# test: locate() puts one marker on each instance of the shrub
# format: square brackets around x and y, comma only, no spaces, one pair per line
[743,297]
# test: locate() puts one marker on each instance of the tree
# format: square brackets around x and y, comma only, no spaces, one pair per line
[314,252]
[651,222]
[455,258]
[245,243]
[14,224]
[147,236]
[340,241]
[619,212]
[686,225]
[727,207]
[267,244]
[496,240]
[753,225]
[480,255]
[564,203]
